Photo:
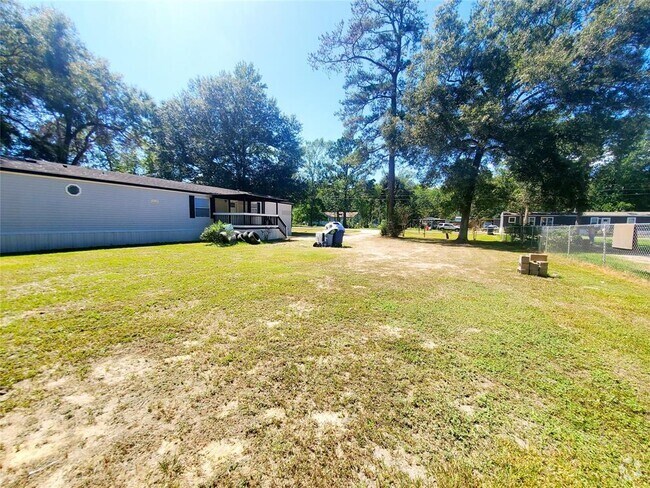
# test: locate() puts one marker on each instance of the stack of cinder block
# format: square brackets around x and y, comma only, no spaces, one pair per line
[533,264]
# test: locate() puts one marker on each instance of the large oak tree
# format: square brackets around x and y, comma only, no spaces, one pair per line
[57,101]
[541,86]
[226,131]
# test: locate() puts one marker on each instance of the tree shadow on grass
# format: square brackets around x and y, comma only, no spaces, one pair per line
[493,246]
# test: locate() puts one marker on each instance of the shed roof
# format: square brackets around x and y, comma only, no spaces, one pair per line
[46,168]
[616,214]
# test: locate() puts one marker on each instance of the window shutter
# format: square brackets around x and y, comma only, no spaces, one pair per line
[192,211]
[212,207]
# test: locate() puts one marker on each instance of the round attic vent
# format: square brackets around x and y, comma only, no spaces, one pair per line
[73,190]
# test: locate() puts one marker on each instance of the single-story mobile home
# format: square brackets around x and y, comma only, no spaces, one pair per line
[585,218]
[48,206]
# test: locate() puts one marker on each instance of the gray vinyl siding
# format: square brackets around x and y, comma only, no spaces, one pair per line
[37,214]
[615,219]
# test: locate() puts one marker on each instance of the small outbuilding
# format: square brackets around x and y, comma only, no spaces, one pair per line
[48,206]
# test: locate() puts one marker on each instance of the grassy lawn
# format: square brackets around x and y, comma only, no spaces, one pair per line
[438,235]
[303,230]
[636,265]
[390,362]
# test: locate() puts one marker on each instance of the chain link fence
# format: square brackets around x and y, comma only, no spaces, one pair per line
[525,235]
[625,247]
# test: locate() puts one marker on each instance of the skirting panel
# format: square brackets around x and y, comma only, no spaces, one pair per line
[49,241]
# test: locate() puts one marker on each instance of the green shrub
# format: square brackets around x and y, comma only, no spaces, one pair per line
[219,233]
[383,228]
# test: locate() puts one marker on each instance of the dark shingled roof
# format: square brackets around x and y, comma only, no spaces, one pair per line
[47,168]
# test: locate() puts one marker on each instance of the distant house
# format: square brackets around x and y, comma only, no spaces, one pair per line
[338,216]
[432,222]
[594,218]
[537,218]
[47,206]
[586,218]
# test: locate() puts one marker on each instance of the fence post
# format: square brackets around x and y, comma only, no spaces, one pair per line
[568,245]
[604,245]
[546,232]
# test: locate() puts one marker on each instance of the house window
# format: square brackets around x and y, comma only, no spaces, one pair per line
[73,190]
[512,220]
[631,220]
[605,220]
[531,220]
[201,207]
[544,221]
[593,221]
[255,207]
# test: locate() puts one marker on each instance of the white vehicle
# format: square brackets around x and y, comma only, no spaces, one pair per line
[448,227]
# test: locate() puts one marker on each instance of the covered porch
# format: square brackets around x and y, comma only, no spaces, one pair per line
[253,212]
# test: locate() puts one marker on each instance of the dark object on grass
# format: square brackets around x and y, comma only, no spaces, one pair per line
[254,238]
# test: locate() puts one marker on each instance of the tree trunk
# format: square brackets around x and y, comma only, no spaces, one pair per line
[524,220]
[393,230]
[345,206]
[469,196]
[312,204]
[390,214]
[63,152]
[464,222]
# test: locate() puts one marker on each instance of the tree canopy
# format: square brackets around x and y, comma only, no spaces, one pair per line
[226,131]
[540,86]
[58,101]
[523,104]
[374,49]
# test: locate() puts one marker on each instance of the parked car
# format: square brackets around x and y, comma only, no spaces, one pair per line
[447,226]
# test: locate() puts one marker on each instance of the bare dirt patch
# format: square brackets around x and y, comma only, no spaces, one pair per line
[113,371]
[399,459]
[300,308]
[228,409]
[178,359]
[212,456]
[80,399]
[327,420]
[392,331]
[275,414]
[468,410]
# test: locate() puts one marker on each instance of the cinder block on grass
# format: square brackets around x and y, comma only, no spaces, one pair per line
[538,257]
[543,268]
[533,269]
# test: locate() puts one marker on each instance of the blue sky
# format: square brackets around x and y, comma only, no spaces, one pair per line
[159,45]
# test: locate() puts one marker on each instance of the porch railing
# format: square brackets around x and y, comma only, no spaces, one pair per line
[241,219]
